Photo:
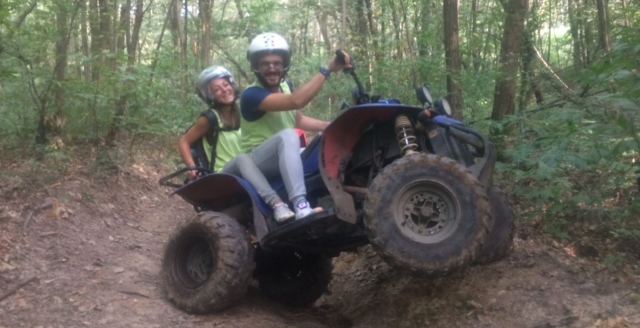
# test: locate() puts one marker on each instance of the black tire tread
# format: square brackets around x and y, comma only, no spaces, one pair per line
[297,294]
[500,240]
[377,189]
[233,271]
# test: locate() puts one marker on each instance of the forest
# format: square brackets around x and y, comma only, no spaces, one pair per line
[553,83]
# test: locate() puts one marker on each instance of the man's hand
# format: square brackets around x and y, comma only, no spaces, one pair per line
[336,63]
[310,124]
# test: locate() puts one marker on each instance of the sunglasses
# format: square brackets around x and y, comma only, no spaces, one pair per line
[266,65]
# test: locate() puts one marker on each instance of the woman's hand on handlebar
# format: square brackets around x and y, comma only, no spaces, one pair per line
[339,63]
[192,174]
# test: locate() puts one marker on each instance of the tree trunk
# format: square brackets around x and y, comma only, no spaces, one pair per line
[61,55]
[575,35]
[604,39]
[206,6]
[86,64]
[96,51]
[504,95]
[178,35]
[486,50]
[527,77]
[407,30]
[452,56]
[373,31]
[362,30]
[362,39]
[56,120]
[176,25]
[587,37]
[303,40]
[50,123]
[396,29]
[159,44]
[343,31]
[105,33]
[625,16]
[324,31]
[423,40]
[475,48]
[184,56]
[121,104]
[123,27]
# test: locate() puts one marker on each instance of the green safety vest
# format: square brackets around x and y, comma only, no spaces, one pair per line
[219,144]
[256,132]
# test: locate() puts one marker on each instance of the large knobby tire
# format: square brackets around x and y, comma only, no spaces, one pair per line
[207,263]
[292,278]
[426,214]
[500,238]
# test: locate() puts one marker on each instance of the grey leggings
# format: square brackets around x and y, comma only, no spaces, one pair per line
[244,166]
[280,156]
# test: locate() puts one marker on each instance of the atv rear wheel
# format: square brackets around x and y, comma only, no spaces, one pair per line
[292,278]
[500,238]
[207,263]
[426,214]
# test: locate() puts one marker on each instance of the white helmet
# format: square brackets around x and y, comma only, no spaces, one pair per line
[208,75]
[269,43]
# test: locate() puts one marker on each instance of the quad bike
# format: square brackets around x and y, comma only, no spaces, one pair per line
[410,181]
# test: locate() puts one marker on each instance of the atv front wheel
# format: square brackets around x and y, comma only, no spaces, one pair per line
[292,278]
[426,214]
[500,238]
[207,263]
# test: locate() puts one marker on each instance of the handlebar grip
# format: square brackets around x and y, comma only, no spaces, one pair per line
[341,57]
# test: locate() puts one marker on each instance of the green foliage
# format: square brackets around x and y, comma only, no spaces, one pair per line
[625,233]
[573,165]
[614,261]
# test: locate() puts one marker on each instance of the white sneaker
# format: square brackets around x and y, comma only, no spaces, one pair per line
[303,209]
[282,213]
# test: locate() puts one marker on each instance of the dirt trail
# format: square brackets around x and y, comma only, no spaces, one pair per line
[96,255]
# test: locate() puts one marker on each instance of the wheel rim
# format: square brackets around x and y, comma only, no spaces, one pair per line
[195,260]
[426,211]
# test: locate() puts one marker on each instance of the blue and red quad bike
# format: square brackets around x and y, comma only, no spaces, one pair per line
[410,181]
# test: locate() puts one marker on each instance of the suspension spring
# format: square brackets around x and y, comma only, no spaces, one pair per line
[406,136]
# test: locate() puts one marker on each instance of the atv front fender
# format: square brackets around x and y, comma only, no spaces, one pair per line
[219,192]
[339,139]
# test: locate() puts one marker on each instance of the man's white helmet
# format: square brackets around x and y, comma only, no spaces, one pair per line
[209,74]
[269,43]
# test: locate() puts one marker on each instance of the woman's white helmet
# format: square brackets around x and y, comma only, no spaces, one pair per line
[269,43]
[209,74]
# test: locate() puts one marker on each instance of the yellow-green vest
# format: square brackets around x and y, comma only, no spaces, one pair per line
[256,132]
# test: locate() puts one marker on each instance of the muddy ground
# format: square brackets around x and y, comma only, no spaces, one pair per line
[92,259]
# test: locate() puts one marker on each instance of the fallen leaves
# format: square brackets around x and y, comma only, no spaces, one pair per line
[59,211]
[6,267]
[6,215]
[135,293]
[611,323]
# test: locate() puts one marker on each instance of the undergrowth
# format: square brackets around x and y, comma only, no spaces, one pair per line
[572,168]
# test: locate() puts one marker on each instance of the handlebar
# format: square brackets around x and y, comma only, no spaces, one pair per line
[166,180]
[363,96]
[341,58]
